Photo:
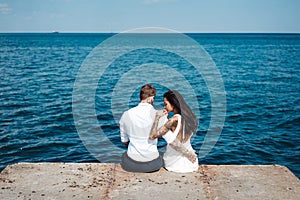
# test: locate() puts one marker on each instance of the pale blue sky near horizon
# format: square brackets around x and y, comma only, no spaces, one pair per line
[207,16]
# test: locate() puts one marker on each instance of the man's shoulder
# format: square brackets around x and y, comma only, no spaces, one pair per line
[141,106]
[125,113]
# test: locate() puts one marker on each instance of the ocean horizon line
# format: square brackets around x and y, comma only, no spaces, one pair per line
[104,32]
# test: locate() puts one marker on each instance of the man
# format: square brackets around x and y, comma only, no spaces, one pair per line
[135,126]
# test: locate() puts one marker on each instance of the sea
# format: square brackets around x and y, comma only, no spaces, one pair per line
[40,72]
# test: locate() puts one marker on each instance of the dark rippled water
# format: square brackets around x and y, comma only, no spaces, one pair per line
[261,74]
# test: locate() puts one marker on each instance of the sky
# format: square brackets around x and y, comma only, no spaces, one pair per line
[207,16]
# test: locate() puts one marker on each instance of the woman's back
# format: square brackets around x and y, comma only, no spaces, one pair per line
[173,159]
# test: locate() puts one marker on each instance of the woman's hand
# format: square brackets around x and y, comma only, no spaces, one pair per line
[191,155]
[152,137]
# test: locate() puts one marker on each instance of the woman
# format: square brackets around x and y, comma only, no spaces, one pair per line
[177,131]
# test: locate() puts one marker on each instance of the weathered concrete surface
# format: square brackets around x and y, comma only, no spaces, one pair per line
[109,181]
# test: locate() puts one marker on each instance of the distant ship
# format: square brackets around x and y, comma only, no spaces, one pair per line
[55,32]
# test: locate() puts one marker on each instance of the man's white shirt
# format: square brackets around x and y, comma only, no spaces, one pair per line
[135,126]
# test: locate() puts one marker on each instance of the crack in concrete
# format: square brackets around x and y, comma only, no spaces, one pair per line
[206,179]
[111,182]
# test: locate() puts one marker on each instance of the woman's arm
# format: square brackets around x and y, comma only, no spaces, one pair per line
[175,144]
[178,146]
[163,130]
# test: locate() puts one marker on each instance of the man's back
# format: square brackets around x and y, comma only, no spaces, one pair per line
[135,126]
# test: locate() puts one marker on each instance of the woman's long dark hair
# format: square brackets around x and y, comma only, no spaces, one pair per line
[188,118]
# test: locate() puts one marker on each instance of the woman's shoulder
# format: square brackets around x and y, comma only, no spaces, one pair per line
[176,117]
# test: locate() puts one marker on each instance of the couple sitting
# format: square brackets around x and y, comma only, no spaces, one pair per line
[142,125]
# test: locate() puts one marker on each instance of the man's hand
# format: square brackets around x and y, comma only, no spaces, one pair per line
[126,144]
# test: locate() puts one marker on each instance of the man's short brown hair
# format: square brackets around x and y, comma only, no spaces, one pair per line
[147,91]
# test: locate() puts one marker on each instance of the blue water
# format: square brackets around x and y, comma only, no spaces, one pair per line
[261,74]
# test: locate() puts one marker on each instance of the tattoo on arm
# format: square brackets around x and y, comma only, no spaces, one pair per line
[163,130]
[178,146]
[157,133]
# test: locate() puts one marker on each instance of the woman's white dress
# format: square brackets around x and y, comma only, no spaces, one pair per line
[174,160]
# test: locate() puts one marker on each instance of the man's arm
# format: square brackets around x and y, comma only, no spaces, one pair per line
[124,136]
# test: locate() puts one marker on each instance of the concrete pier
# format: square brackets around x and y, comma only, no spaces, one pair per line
[109,181]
